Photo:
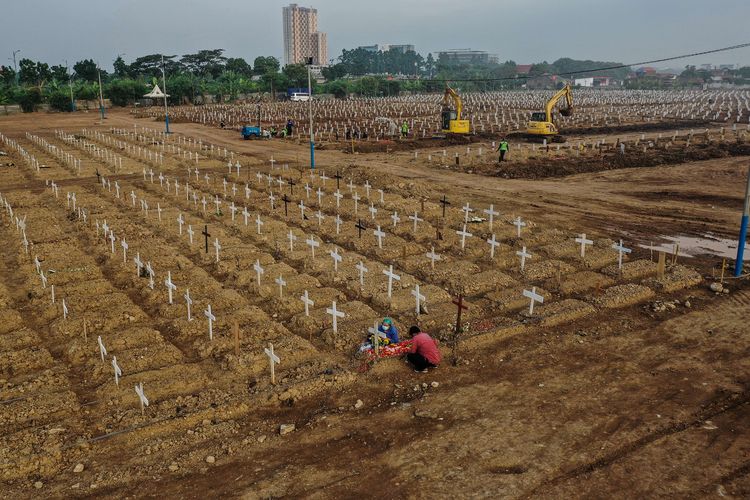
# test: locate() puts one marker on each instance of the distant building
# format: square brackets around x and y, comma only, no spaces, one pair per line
[595,81]
[401,48]
[369,48]
[301,36]
[466,56]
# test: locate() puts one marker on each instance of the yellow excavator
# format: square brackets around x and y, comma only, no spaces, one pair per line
[541,126]
[452,122]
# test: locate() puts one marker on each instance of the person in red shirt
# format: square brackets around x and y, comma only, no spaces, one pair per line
[424,352]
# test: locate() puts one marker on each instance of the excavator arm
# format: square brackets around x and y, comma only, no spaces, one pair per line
[451,94]
[563,92]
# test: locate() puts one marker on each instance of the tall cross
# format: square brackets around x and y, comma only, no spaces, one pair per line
[308,302]
[335,314]
[519,224]
[245,214]
[445,203]
[391,276]
[312,243]
[379,235]
[258,271]
[491,213]
[467,210]
[217,247]
[291,237]
[291,185]
[583,241]
[171,287]
[206,234]
[395,218]
[362,270]
[211,318]
[258,222]
[286,201]
[493,244]
[418,298]
[535,297]
[524,255]
[360,226]
[463,234]
[433,257]
[373,211]
[620,250]
[180,222]
[190,233]
[124,245]
[336,256]
[280,281]
[459,303]
[273,359]
[188,302]
[356,199]
[338,179]
[415,218]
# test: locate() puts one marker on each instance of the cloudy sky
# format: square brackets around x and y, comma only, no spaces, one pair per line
[522,30]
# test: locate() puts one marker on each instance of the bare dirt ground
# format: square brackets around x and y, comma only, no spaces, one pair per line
[624,402]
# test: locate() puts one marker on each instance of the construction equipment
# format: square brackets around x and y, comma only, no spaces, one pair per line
[542,126]
[452,122]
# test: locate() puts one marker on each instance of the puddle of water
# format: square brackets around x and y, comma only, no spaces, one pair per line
[709,244]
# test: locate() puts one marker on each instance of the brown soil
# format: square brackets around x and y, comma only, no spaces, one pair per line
[598,391]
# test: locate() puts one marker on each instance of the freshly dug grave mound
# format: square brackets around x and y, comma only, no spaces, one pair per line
[624,296]
[564,311]
[637,269]
[677,277]
[579,282]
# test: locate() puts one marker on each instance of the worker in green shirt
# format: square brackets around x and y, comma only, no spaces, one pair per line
[404,130]
[503,148]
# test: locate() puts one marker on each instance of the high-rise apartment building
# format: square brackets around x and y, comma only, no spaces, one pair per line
[302,38]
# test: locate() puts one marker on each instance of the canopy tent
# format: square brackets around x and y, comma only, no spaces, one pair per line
[156,93]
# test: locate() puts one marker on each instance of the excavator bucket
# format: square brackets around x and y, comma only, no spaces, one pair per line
[566,111]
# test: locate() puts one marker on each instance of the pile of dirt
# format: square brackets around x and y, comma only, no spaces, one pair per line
[540,168]
[387,145]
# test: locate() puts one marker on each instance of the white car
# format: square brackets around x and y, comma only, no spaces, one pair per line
[299,97]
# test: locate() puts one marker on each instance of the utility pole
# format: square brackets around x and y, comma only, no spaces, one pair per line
[309,102]
[743,231]
[15,68]
[164,82]
[70,86]
[101,94]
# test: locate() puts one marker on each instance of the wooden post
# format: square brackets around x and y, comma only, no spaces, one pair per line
[236,334]
[662,264]
[723,268]
[676,252]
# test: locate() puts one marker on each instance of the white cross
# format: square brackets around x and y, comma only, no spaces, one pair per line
[190,233]
[124,245]
[272,199]
[233,209]
[335,314]
[65,309]
[141,396]
[280,182]
[381,196]
[188,302]
[463,234]
[367,188]
[493,244]
[336,256]
[416,219]
[350,185]
[519,224]
[118,371]
[180,221]
[320,195]
[273,359]
[260,177]
[467,210]
[259,223]
[151,275]
[395,218]
[362,270]
[245,214]
[280,281]
[258,270]
[535,297]
[112,240]
[133,197]
[356,199]
[312,243]
[204,203]
[224,183]
[583,241]
[292,238]
[418,297]
[158,211]
[247,192]
[302,209]
[217,202]
[306,299]
[373,211]
[379,235]
[391,276]
[307,191]
[170,286]
[524,255]
[433,257]
[621,250]
[375,336]
[324,177]
[217,247]
[102,349]
[491,213]
[320,217]
[338,222]
[338,197]
[211,318]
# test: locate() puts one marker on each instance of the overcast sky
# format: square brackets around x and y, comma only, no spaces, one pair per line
[522,30]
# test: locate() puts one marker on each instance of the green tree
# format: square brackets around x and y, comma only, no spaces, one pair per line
[59,73]
[205,62]
[7,75]
[264,65]
[239,66]
[121,69]
[59,100]
[296,74]
[28,74]
[29,98]
[124,91]
[338,88]
[86,70]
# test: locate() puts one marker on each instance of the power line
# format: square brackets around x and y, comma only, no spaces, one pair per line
[604,68]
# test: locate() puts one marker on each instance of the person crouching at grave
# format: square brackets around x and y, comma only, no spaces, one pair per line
[389,329]
[424,352]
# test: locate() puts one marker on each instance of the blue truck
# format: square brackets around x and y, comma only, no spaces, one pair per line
[252,132]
